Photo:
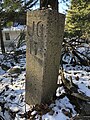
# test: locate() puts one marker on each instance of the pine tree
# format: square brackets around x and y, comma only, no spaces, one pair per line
[78,19]
[9,11]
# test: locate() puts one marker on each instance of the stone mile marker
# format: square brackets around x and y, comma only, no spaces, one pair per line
[45,30]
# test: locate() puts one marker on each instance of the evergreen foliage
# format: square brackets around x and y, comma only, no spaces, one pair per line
[11,10]
[78,19]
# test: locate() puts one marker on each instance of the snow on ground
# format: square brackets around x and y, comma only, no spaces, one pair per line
[80,78]
[12,90]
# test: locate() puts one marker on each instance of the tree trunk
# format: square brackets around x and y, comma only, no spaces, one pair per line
[1,40]
[53,4]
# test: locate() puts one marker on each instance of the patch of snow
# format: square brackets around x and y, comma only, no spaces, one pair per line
[34,112]
[1,71]
[55,116]
[84,89]
[60,91]
[22,48]
[14,108]
[64,103]
[12,87]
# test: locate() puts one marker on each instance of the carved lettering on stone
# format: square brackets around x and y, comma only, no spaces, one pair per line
[43,55]
[36,38]
[31,29]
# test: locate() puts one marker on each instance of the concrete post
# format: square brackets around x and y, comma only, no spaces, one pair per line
[45,30]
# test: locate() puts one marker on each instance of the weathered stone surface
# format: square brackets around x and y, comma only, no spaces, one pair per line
[44,38]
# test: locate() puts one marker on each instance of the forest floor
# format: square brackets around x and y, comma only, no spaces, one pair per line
[72,95]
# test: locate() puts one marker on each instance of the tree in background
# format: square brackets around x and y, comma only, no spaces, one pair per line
[53,4]
[78,19]
[11,10]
